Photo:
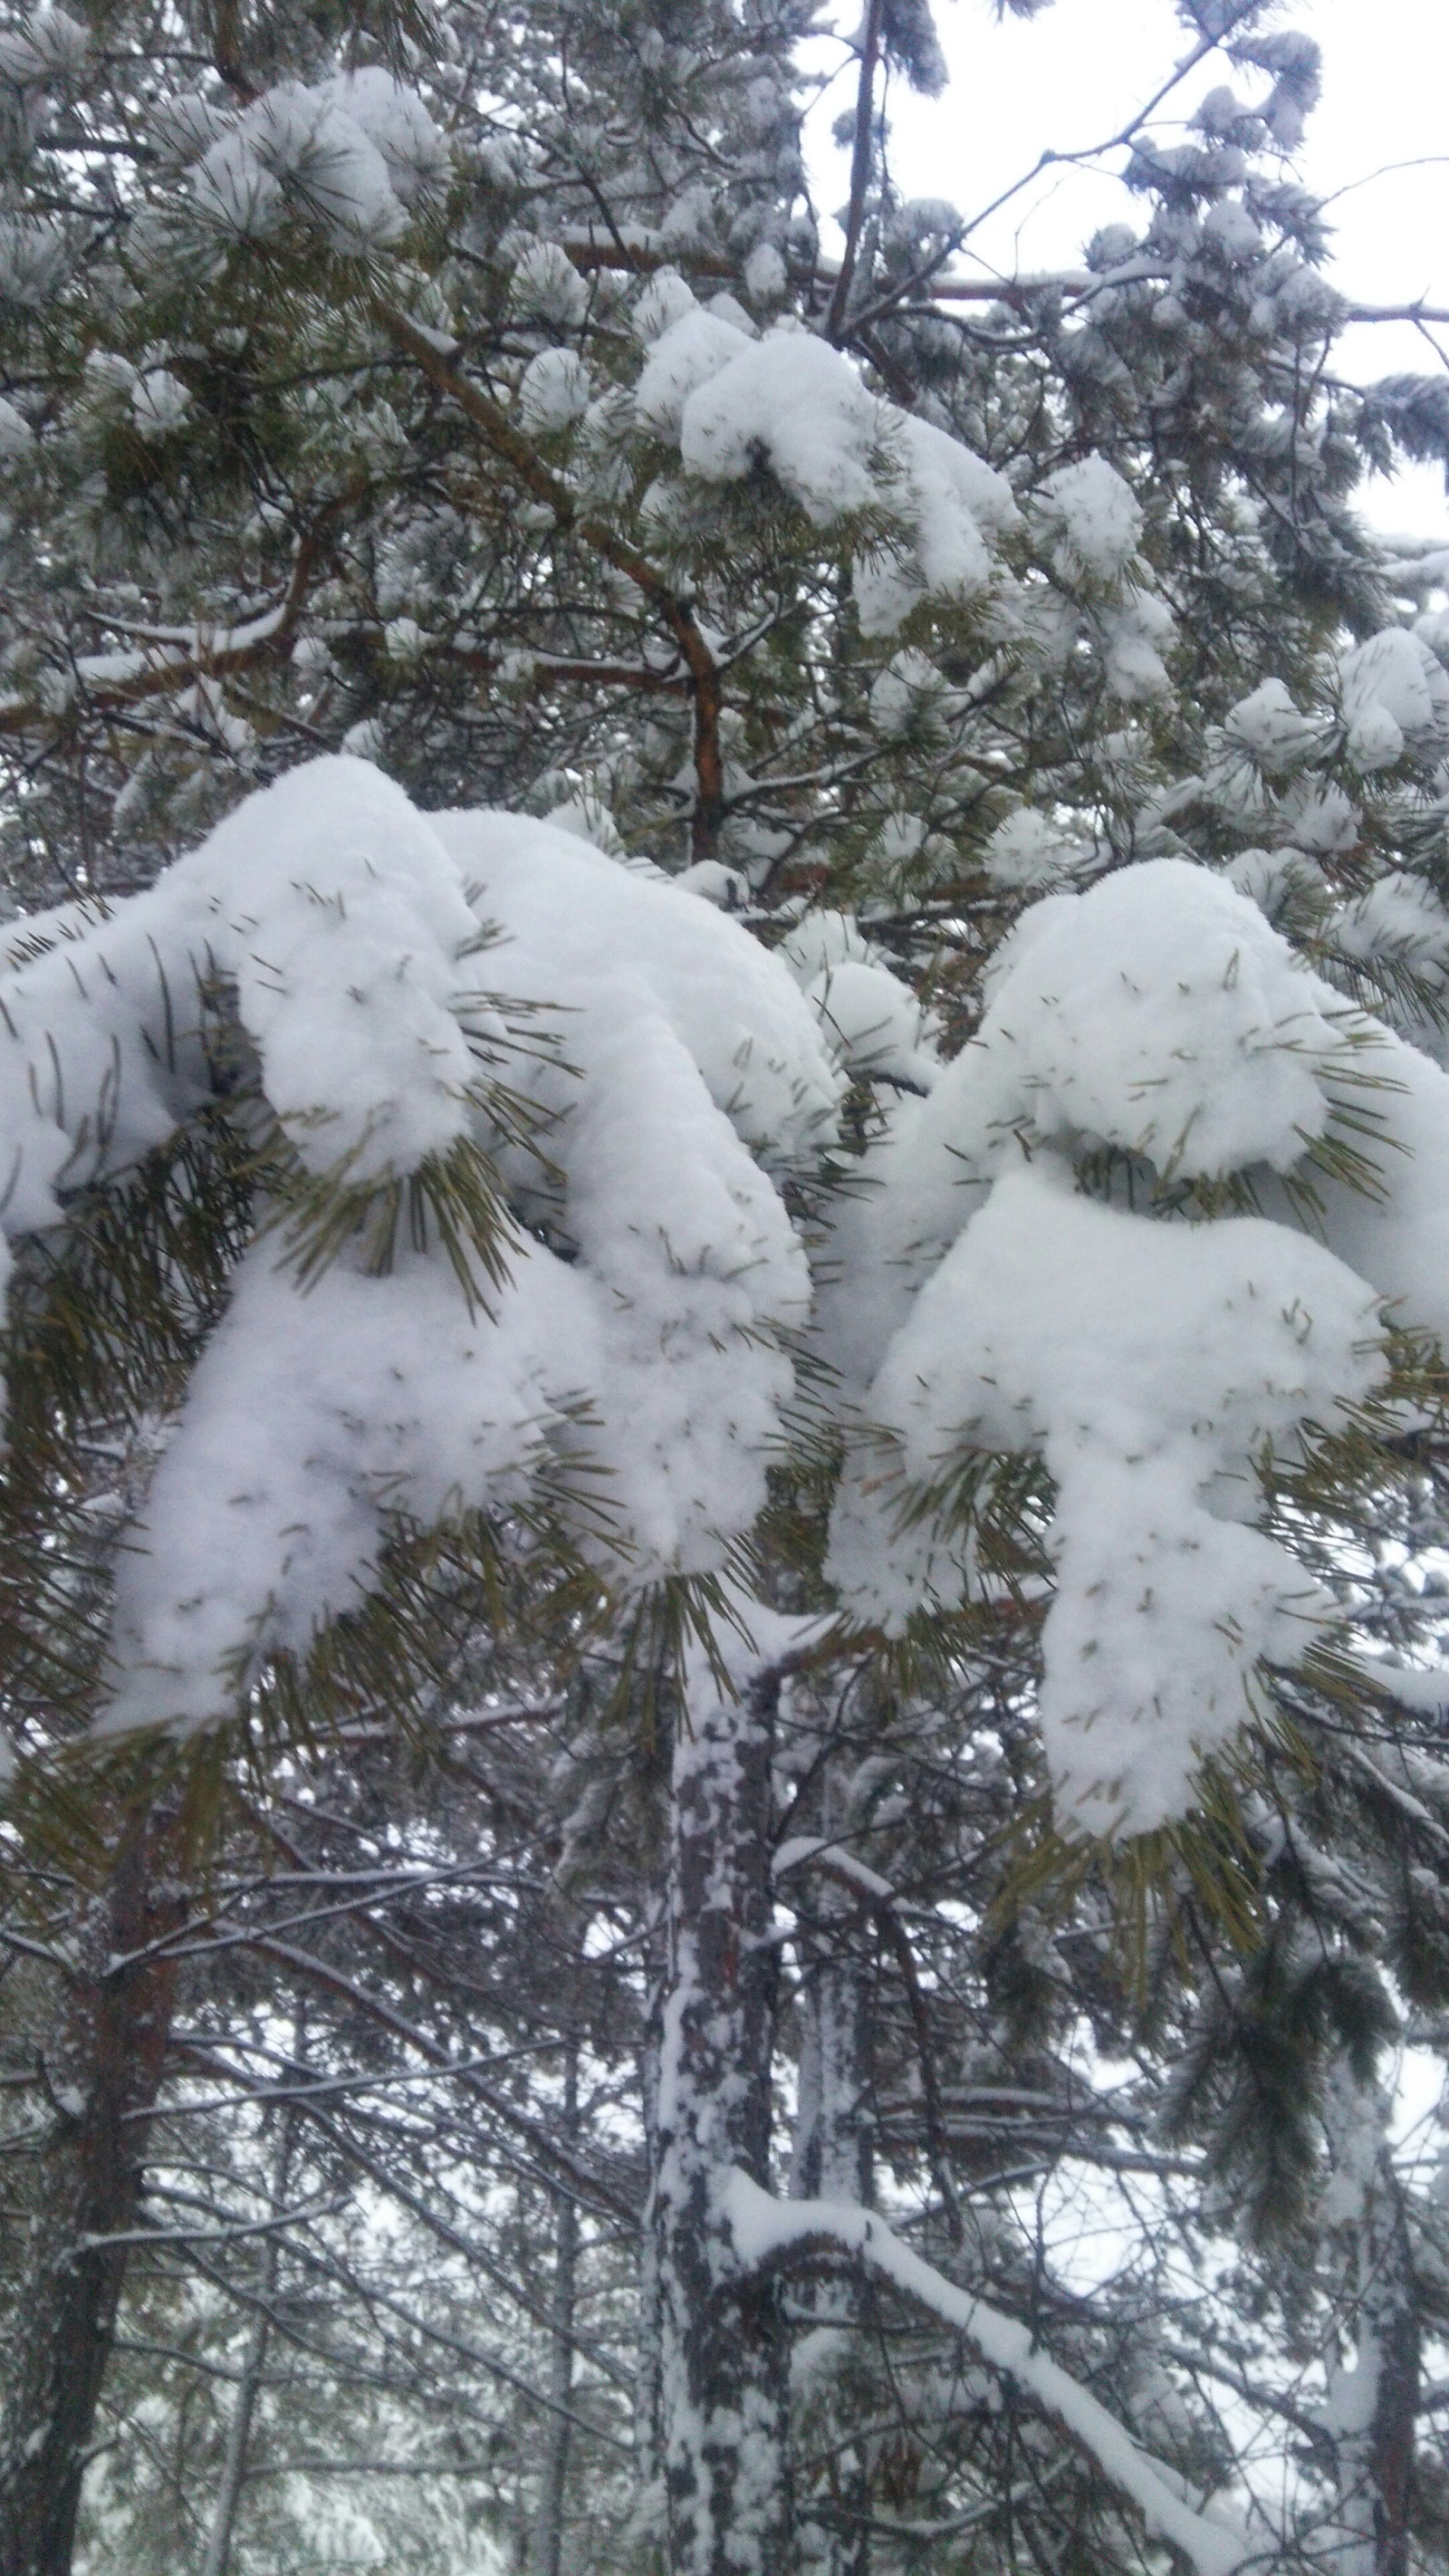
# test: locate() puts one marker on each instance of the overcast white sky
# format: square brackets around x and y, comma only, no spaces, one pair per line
[1074,76]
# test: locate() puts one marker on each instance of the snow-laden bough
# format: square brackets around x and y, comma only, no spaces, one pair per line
[762,2230]
[1158,1032]
[326,941]
[361,977]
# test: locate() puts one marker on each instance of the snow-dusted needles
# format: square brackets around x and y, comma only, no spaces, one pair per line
[667,1065]
[633,1095]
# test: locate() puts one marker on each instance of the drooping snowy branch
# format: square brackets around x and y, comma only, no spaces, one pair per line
[764,2230]
[628,1331]
[1158,1024]
[631,1348]
[727,401]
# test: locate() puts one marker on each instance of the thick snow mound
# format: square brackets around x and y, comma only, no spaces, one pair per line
[872,1022]
[381,971]
[331,912]
[312,1423]
[1158,1012]
[971,1302]
[1148,1363]
[595,938]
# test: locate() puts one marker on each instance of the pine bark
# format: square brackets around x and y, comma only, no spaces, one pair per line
[1395,2305]
[553,2485]
[1375,2403]
[833,2161]
[722,2351]
[102,2076]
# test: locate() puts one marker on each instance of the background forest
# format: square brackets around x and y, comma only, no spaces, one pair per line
[724,1191]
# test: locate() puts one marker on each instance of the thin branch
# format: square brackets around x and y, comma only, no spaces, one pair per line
[435,358]
[178,665]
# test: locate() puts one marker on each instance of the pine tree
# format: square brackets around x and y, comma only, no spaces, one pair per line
[731,966]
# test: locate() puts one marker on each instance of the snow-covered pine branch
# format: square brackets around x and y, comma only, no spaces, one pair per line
[1158,1023]
[656,1067]
[765,2231]
[618,1117]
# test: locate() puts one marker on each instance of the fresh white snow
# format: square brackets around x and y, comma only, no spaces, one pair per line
[382,970]
[671,1066]
[729,402]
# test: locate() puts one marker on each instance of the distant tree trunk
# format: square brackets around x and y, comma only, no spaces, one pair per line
[1395,2306]
[549,2526]
[832,2160]
[1376,2404]
[254,2360]
[102,2077]
[648,2389]
[723,2356]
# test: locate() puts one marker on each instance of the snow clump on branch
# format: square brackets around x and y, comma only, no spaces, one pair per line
[659,1067]
[1147,1364]
[355,152]
[729,402]
[1157,1028]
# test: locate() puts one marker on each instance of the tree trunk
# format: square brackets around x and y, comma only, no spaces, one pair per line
[1395,2305]
[102,2078]
[833,2161]
[648,2377]
[723,2355]
[549,2526]
[254,2362]
[1375,2404]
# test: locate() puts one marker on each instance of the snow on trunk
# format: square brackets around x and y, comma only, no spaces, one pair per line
[832,2160]
[722,2352]
[1372,2401]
